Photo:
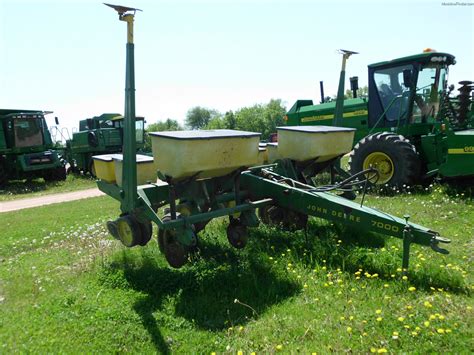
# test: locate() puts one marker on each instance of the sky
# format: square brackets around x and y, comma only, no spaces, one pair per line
[69,56]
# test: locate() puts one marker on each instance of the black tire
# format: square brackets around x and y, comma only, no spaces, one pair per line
[392,154]
[56,174]
[3,175]
[91,168]
[237,234]
[146,232]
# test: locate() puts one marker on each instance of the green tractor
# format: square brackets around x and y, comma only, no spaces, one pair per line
[26,147]
[410,127]
[99,135]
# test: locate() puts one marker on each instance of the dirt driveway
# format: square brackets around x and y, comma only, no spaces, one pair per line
[48,200]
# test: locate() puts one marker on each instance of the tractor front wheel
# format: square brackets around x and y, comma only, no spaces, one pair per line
[394,157]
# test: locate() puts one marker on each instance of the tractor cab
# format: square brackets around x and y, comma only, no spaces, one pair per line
[25,130]
[408,90]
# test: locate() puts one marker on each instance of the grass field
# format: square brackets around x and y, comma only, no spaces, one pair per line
[38,187]
[66,286]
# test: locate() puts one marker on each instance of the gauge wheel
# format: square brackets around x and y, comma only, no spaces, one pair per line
[394,157]
[129,231]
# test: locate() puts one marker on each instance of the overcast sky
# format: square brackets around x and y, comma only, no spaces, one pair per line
[69,56]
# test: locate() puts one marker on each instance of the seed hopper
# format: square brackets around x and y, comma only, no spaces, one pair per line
[202,175]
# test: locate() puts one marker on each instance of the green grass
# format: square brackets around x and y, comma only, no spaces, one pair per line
[24,189]
[65,286]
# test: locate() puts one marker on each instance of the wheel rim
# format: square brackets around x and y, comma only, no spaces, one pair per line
[125,232]
[384,165]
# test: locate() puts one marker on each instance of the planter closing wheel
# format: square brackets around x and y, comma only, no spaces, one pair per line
[237,234]
[176,253]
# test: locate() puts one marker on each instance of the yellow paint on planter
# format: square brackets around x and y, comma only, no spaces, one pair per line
[272,153]
[262,154]
[146,169]
[323,143]
[203,154]
[104,167]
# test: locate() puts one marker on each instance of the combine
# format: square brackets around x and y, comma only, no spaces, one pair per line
[98,135]
[410,127]
[195,176]
[26,148]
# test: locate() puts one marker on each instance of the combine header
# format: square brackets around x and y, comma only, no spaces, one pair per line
[203,175]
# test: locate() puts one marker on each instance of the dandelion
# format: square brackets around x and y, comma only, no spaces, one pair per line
[414,334]
[378,311]
[448,330]
[382,351]
[241,328]
[404,278]
[379,319]
[349,329]
[412,289]
[342,318]
[401,319]
[426,324]
[240,352]
[427,304]
[409,307]
[385,285]
[395,335]
[440,331]
[279,347]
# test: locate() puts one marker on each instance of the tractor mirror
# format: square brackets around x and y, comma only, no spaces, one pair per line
[407,78]
[56,119]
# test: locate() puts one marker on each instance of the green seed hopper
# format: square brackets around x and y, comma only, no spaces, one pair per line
[202,175]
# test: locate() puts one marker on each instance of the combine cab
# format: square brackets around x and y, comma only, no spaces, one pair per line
[26,148]
[99,135]
[409,127]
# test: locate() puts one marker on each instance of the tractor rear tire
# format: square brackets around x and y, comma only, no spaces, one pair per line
[392,155]
[3,175]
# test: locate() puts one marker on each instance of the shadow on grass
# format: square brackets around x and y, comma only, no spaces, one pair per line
[350,249]
[219,289]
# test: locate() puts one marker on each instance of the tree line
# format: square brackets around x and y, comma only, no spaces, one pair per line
[263,118]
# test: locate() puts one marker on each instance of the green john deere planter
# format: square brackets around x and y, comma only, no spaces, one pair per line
[409,128]
[26,148]
[203,175]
